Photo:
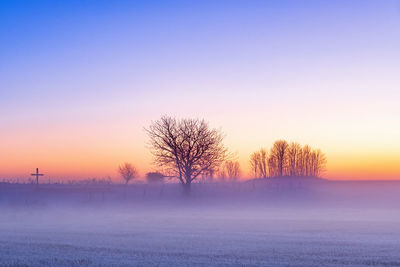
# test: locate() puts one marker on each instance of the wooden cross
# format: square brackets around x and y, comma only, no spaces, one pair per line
[37,174]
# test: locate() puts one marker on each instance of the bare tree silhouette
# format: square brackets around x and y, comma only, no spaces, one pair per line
[259,163]
[293,154]
[272,168]
[318,164]
[263,162]
[306,160]
[291,160]
[254,164]
[278,153]
[187,147]
[127,172]
[232,169]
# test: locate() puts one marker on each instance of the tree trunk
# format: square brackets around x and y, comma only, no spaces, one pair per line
[186,188]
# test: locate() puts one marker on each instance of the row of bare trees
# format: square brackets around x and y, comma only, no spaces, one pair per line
[288,159]
[188,149]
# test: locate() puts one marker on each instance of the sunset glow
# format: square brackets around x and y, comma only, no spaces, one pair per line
[80,83]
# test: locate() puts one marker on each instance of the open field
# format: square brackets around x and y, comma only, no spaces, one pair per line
[162,230]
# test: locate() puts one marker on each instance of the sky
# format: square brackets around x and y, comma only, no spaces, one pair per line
[80,80]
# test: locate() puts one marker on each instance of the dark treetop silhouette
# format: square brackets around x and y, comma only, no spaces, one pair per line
[286,159]
[186,148]
[127,171]
[259,164]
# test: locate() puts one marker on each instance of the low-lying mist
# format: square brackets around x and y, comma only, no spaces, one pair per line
[274,193]
[261,222]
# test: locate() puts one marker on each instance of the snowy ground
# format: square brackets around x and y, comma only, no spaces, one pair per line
[199,235]
[268,224]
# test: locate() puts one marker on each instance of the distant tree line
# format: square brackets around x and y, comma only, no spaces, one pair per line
[188,149]
[288,159]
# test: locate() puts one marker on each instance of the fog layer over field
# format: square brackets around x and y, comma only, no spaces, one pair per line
[284,223]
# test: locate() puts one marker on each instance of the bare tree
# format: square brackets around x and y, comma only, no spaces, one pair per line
[127,171]
[272,167]
[279,154]
[306,159]
[318,162]
[254,164]
[232,169]
[187,147]
[288,160]
[259,163]
[293,154]
[263,162]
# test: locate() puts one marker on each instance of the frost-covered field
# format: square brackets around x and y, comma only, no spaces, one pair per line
[312,224]
[199,235]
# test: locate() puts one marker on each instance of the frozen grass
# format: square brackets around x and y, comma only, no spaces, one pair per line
[267,223]
[199,235]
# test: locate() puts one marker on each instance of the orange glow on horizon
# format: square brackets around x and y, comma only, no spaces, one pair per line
[96,149]
[92,164]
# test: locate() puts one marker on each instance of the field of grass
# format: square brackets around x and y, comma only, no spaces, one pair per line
[199,236]
[41,229]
